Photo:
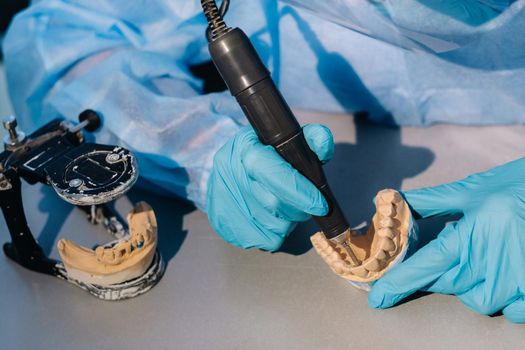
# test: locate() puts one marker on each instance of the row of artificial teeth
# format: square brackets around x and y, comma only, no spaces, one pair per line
[388,232]
[122,250]
[386,242]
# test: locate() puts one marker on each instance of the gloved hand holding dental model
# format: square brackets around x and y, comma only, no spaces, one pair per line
[481,257]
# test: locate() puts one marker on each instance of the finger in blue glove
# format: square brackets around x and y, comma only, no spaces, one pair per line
[255,197]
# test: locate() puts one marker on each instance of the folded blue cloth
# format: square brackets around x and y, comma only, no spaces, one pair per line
[405,62]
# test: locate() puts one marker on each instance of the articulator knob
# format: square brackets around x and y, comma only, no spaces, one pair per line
[15,137]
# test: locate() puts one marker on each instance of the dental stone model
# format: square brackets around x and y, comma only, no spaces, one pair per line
[89,176]
[128,261]
[384,245]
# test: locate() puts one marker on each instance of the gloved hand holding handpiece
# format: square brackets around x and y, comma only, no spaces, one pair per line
[249,81]
[255,197]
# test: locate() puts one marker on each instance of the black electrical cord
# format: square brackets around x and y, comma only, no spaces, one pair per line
[225,4]
[215,15]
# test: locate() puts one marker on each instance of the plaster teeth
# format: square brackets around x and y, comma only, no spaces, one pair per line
[323,244]
[333,256]
[385,238]
[381,254]
[360,271]
[329,250]
[386,232]
[387,222]
[372,264]
[99,253]
[387,244]
[397,198]
[340,267]
[320,243]
[108,255]
[386,210]
[118,255]
[127,247]
[146,236]
[390,196]
[107,266]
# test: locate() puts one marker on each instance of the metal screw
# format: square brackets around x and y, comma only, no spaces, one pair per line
[10,125]
[15,137]
[112,158]
[75,183]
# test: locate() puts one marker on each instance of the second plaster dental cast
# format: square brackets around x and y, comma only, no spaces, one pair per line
[131,61]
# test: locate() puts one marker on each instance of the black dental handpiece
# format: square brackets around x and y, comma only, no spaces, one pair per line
[249,81]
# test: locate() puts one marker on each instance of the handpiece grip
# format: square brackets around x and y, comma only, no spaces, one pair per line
[271,117]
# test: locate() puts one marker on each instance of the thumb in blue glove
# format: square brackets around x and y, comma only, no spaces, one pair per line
[481,257]
[256,198]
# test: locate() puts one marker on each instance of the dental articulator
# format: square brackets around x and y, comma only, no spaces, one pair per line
[87,175]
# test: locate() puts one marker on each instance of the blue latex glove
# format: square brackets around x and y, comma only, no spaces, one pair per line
[255,197]
[481,257]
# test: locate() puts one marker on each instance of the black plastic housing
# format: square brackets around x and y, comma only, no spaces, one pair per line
[272,119]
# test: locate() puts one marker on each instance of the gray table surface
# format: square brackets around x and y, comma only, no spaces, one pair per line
[216,296]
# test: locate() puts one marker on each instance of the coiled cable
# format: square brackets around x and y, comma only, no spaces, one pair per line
[214,16]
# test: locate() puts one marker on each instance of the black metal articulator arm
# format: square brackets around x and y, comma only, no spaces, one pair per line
[23,247]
